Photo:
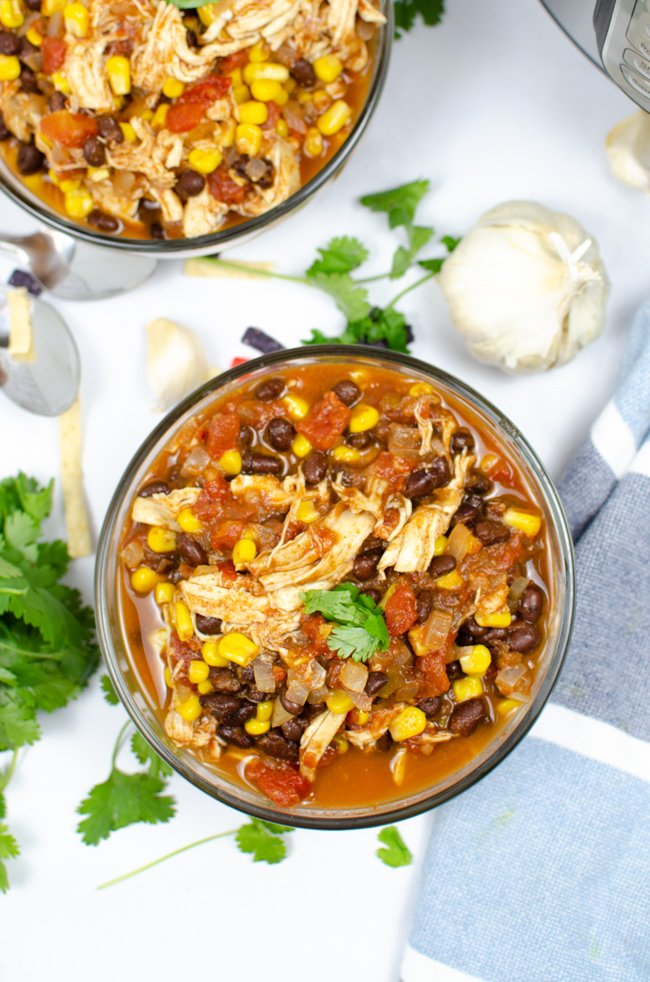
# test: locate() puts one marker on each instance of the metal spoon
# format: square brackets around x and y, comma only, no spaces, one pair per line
[48,385]
[72,269]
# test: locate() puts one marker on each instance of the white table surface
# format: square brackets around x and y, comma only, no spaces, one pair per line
[494,104]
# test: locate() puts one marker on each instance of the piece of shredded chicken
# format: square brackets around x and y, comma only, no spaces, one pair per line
[161,509]
[316,739]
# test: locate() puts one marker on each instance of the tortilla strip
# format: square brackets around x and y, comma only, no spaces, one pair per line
[76,517]
[21,331]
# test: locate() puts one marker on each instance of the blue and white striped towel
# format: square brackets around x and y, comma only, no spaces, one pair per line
[541,872]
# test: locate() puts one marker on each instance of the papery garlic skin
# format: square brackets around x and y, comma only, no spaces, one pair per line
[526,287]
[628,151]
[176,362]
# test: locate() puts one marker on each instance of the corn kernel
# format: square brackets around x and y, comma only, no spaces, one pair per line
[363,418]
[146,114]
[259,52]
[168,677]
[205,161]
[226,136]
[341,744]
[282,129]
[190,709]
[231,462]
[172,88]
[205,687]
[78,204]
[297,407]
[301,446]
[188,520]
[159,120]
[306,512]
[67,185]
[207,13]
[386,597]
[241,94]
[421,389]
[61,83]
[236,77]
[248,138]
[267,69]
[238,648]
[164,593]
[290,85]
[10,13]
[77,19]
[303,97]
[477,661]
[97,174]
[143,579]
[243,552]
[198,671]
[183,618]
[321,100]
[440,545]
[252,112]
[118,70]
[210,653]
[410,723]
[335,118]
[501,618]
[264,711]
[49,7]
[488,462]
[34,37]
[347,455]
[452,581]
[313,145]
[506,706]
[328,68]
[265,90]
[161,540]
[282,97]
[357,717]
[339,702]
[129,133]
[524,521]
[256,726]
[467,688]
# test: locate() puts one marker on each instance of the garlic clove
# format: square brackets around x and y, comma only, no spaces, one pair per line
[176,362]
[525,287]
[628,151]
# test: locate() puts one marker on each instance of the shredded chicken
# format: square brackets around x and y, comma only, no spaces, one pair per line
[380,720]
[492,592]
[316,739]
[286,182]
[21,111]
[161,509]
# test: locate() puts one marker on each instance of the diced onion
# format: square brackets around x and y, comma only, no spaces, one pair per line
[196,462]
[312,674]
[280,715]
[406,692]
[516,590]
[512,679]
[353,676]
[318,695]
[264,677]
[297,692]
[404,441]
[360,700]
[133,554]
[436,629]
[461,542]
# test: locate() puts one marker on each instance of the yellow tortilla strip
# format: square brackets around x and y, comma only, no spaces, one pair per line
[21,332]
[76,518]
[217,270]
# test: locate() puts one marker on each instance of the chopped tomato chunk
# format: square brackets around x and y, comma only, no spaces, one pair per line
[325,421]
[433,668]
[231,62]
[217,489]
[53,51]
[222,187]
[223,433]
[181,653]
[184,116]
[401,611]
[208,91]
[274,111]
[282,785]
[68,129]
[393,469]
[227,534]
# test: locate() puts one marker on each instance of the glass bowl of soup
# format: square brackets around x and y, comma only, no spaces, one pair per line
[334,587]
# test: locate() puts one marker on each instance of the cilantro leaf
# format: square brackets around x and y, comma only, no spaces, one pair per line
[147,755]
[375,625]
[354,642]
[431,265]
[335,605]
[122,800]
[418,236]
[387,327]
[257,838]
[107,687]
[341,255]
[350,298]
[406,11]
[17,720]
[9,849]
[396,852]
[189,4]
[361,628]
[398,203]
[450,242]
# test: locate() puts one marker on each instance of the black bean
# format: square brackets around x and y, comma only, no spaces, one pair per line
[375,595]
[220,704]
[154,487]
[236,735]
[208,625]
[191,550]
[245,712]
[431,707]
[466,716]
[259,463]
[314,710]
[29,82]
[101,221]
[462,439]
[267,179]
[9,43]
[275,745]
[246,435]
[494,634]
[110,129]
[454,671]
[376,682]
[56,102]
[419,484]
[189,184]
[293,729]
[384,742]
[190,38]
[365,564]
[490,532]
[26,49]
[478,483]
[473,629]
[5,132]
[224,680]
[473,500]
[256,695]
[441,565]
[315,467]
[156,231]
[270,389]
[29,160]
[303,72]
[466,514]
[360,440]
[94,152]
[246,674]
[523,637]
[530,603]
[424,605]
[291,707]
[347,391]
[280,434]
[439,467]
[33,4]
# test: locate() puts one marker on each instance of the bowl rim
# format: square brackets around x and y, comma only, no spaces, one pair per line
[213,242]
[552,504]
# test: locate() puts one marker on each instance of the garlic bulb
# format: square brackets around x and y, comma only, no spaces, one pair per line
[526,287]
[176,362]
[628,151]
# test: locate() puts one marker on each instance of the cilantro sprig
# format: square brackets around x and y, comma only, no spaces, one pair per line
[47,639]
[361,629]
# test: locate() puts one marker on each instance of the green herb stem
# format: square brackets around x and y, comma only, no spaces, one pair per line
[169,855]
[119,742]
[407,289]
[8,774]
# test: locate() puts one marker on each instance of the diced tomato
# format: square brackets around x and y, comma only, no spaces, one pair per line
[226,534]
[231,62]
[208,91]
[433,668]
[184,116]
[401,611]
[181,653]
[217,488]
[238,361]
[325,421]
[393,469]
[223,433]
[502,472]
[282,784]
[221,185]
[227,568]
[53,51]
[274,111]
[68,129]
